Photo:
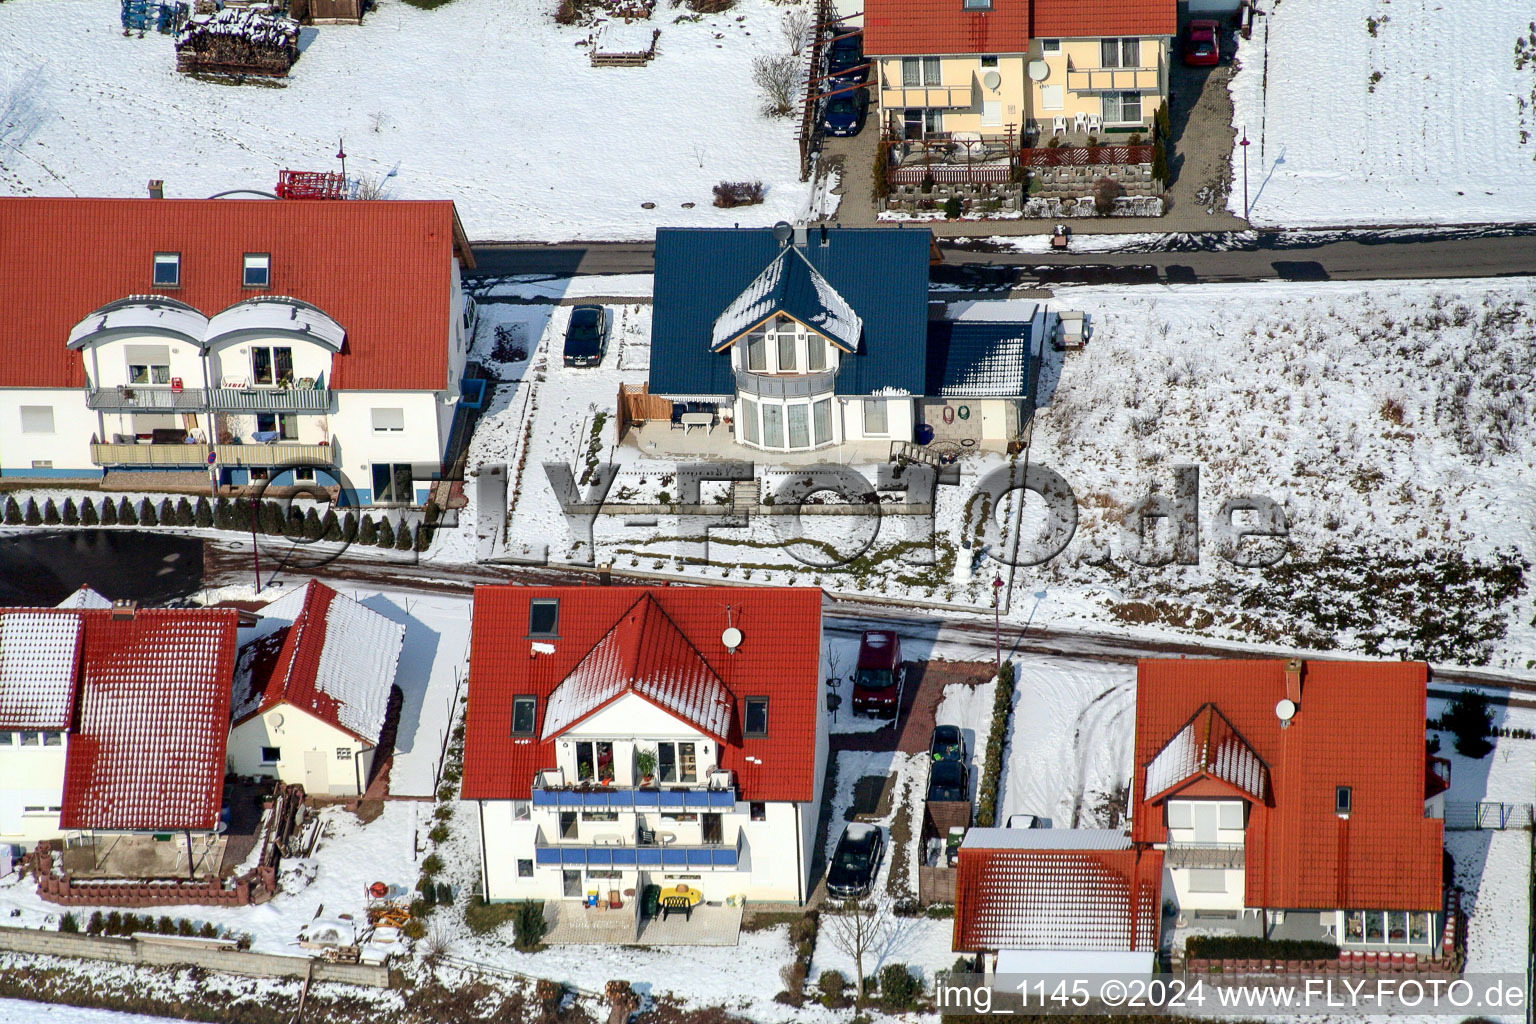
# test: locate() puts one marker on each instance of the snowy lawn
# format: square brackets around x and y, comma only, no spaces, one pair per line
[486,102]
[1388,112]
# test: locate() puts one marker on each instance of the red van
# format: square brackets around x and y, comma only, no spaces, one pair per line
[880,676]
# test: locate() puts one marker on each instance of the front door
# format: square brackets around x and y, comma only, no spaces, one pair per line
[572,883]
[316,778]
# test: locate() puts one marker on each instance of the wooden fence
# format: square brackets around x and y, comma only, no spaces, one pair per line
[1084,156]
[637,405]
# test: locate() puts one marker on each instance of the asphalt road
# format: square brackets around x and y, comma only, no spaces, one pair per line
[1180,259]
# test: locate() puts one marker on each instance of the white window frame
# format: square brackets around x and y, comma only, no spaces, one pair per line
[260,262]
[749,425]
[36,413]
[271,350]
[1050,46]
[676,745]
[1053,97]
[1206,879]
[869,406]
[921,72]
[388,419]
[277,755]
[166,259]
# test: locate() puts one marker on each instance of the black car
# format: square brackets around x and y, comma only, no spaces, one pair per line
[948,780]
[948,744]
[845,113]
[852,873]
[845,61]
[586,337]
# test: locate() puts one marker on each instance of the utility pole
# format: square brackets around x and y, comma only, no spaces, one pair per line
[997,628]
[1244,144]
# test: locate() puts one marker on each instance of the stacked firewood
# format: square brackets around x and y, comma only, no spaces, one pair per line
[238,41]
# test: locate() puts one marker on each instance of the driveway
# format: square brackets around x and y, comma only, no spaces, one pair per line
[1200,115]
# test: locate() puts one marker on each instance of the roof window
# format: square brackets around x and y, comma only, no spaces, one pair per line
[258,270]
[978,5]
[544,616]
[1343,800]
[167,270]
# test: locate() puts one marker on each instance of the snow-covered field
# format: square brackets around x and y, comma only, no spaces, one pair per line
[58,1013]
[1387,112]
[486,102]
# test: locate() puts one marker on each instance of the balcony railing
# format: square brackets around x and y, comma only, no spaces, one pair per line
[796,385]
[936,96]
[270,399]
[1204,855]
[139,398]
[1111,79]
[630,798]
[189,455]
[700,857]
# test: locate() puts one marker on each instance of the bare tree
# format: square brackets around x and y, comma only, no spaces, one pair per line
[856,929]
[795,26]
[777,75]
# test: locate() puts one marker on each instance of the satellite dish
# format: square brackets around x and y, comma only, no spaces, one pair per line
[1285,710]
[992,80]
[1039,70]
[782,232]
[731,638]
[277,720]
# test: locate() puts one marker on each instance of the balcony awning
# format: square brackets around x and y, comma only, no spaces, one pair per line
[141,315]
[275,314]
[641,799]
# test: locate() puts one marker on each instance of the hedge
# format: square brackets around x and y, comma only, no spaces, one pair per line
[992,767]
[1242,947]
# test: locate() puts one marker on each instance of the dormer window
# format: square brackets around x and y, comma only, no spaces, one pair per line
[978,5]
[1343,800]
[258,270]
[167,270]
[544,617]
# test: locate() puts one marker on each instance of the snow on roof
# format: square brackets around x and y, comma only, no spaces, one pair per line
[790,285]
[153,720]
[625,37]
[275,313]
[859,829]
[37,669]
[1046,839]
[85,597]
[969,358]
[140,314]
[1208,745]
[1057,899]
[325,654]
[646,653]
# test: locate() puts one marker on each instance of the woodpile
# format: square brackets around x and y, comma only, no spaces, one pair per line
[238,41]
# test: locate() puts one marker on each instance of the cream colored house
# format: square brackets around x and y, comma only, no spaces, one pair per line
[312,691]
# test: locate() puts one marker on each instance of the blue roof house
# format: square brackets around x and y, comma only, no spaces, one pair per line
[804,338]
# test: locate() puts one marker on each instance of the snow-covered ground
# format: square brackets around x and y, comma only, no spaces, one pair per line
[486,102]
[1387,112]
[59,1013]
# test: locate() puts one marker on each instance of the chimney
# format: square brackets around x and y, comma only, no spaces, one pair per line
[824,239]
[156,188]
[801,235]
[124,610]
[605,574]
[1293,681]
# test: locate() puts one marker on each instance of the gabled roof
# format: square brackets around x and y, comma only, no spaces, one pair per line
[880,274]
[1358,724]
[325,654]
[38,651]
[1207,747]
[382,270]
[792,286]
[644,653]
[153,720]
[779,658]
[1073,19]
[85,597]
[980,358]
[894,28]
[1092,898]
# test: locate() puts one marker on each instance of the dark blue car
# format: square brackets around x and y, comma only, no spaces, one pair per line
[845,61]
[586,337]
[845,113]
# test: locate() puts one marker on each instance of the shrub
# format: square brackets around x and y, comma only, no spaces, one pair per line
[962,965]
[202,516]
[88,513]
[793,976]
[427,889]
[330,528]
[443,812]
[208,931]
[1251,947]
[439,834]
[12,511]
[69,923]
[165,926]
[776,75]
[270,519]
[147,514]
[184,928]
[108,512]
[168,513]
[349,528]
[444,893]
[1469,719]
[941,910]
[992,766]
[386,537]
[33,516]
[415,928]
[1105,192]
[952,208]
[404,541]
[96,924]
[50,513]
[565,14]
[223,514]
[431,865]
[1163,121]
[114,925]
[423,538]
[1160,161]
[368,533]
[833,990]
[528,923]
[125,513]
[738,193]
[293,524]
[898,988]
[184,514]
[803,929]
[313,528]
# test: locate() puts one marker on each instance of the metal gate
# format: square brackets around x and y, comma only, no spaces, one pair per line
[1472,815]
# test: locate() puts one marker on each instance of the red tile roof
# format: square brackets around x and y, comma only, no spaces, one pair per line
[1074,19]
[148,752]
[1359,724]
[335,660]
[779,658]
[1057,898]
[380,269]
[894,28]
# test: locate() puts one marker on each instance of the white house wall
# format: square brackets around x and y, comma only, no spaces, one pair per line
[230,360]
[31,777]
[296,733]
[359,446]
[898,414]
[65,452]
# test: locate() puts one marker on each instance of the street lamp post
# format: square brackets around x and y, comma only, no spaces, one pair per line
[1244,144]
[997,625]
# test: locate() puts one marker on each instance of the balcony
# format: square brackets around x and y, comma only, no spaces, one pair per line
[935,96]
[196,455]
[622,854]
[628,798]
[160,398]
[1112,79]
[297,399]
[786,385]
[139,398]
[1204,855]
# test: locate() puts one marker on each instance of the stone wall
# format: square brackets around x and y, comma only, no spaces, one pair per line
[1073,180]
[1053,208]
[979,199]
[168,952]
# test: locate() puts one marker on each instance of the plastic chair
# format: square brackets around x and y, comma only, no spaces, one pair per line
[1080,122]
[1095,123]
[1059,125]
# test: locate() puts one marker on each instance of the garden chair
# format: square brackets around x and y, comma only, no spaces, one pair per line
[1059,125]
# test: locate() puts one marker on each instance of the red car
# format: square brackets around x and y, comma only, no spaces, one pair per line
[878,681]
[1202,43]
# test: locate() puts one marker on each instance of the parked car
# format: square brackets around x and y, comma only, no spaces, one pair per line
[949,780]
[845,61]
[948,744]
[1202,43]
[851,874]
[586,337]
[878,680]
[1026,821]
[845,113]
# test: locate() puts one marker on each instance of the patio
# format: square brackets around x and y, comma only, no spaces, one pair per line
[571,922]
[659,439]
